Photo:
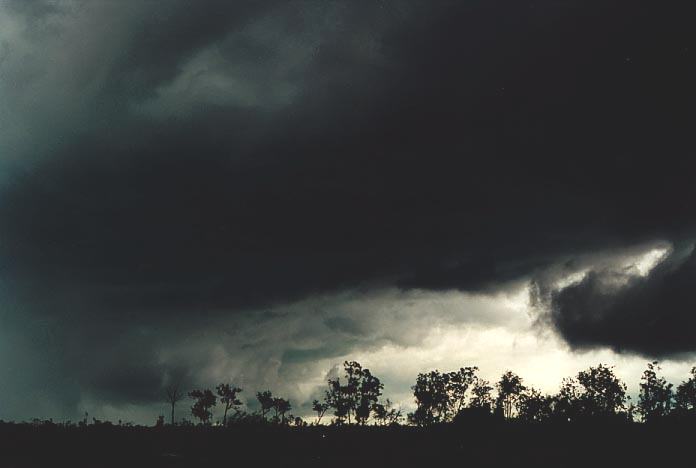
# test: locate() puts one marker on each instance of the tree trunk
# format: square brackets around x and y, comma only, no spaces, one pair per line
[173,413]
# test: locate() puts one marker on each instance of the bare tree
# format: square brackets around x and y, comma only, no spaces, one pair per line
[174,395]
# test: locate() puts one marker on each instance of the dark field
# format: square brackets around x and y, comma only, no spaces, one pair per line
[496,445]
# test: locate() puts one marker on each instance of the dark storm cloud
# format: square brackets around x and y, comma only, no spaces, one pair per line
[234,155]
[652,315]
[155,39]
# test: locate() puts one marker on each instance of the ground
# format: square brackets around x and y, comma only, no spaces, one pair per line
[499,445]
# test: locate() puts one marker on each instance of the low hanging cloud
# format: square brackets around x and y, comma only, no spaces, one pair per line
[651,314]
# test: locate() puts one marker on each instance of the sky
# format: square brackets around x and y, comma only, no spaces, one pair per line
[254,192]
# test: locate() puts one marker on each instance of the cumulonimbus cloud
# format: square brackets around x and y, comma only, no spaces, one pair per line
[164,165]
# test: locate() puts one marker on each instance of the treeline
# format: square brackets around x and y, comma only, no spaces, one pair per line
[355,398]
[594,393]
[444,397]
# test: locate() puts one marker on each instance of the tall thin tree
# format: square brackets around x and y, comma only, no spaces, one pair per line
[174,395]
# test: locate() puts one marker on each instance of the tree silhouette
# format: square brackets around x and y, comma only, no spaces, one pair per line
[442,395]
[319,408]
[460,397]
[173,395]
[458,384]
[481,395]
[510,390]
[202,407]
[337,397]
[602,393]
[595,392]
[357,397]
[535,407]
[566,403]
[369,391]
[686,393]
[281,406]
[266,401]
[297,421]
[228,396]
[432,398]
[386,415]
[656,395]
